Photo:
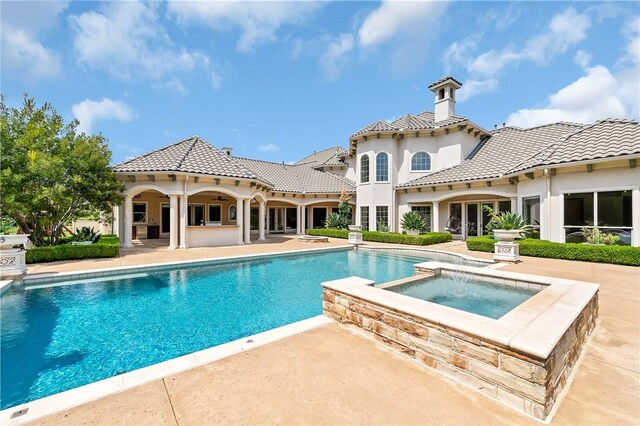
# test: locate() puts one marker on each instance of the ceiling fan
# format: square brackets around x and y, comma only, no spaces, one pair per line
[221,198]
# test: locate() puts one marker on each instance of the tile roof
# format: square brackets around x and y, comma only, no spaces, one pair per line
[327,157]
[503,150]
[442,80]
[422,121]
[603,139]
[192,155]
[299,178]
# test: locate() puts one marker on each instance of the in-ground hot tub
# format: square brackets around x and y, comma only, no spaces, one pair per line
[522,356]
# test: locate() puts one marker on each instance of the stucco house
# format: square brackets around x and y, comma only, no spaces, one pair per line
[561,177]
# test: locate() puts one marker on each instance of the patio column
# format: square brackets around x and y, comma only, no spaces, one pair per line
[435,217]
[240,219]
[128,222]
[261,220]
[635,218]
[514,205]
[303,214]
[173,221]
[299,220]
[247,221]
[183,222]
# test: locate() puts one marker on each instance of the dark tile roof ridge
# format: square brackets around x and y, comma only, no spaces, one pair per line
[195,140]
[336,149]
[265,161]
[146,154]
[443,79]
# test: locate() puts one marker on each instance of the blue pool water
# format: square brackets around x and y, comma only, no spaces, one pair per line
[478,297]
[60,337]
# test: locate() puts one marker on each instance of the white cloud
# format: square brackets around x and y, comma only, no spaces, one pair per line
[458,52]
[472,88]
[126,40]
[88,112]
[582,58]
[397,17]
[334,56]
[565,30]
[269,148]
[22,51]
[598,94]
[592,97]
[257,20]
[175,84]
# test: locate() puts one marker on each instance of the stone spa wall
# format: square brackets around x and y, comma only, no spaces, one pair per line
[525,382]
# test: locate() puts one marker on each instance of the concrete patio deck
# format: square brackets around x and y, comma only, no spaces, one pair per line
[330,375]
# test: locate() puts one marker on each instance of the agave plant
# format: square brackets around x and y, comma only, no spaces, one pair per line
[507,221]
[85,234]
[336,221]
[413,221]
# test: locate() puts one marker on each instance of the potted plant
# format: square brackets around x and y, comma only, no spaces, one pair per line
[506,226]
[413,223]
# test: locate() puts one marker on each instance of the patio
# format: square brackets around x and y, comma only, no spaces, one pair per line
[311,378]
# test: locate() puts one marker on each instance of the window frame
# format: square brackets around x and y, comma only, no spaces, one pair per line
[208,219]
[387,180]
[368,218]
[429,164]
[146,213]
[368,174]
[191,212]
[387,222]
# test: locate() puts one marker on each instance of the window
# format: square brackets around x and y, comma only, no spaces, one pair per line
[292,218]
[504,206]
[364,217]
[364,169]
[195,214]
[139,212]
[441,94]
[611,212]
[233,213]
[382,167]
[215,213]
[382,216]
[425,212]
[531,210]
[421,161]
[254,219]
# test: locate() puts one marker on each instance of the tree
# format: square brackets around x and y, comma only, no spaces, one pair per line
[50,173]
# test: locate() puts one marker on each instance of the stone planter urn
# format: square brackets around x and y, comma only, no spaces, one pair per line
[506,249]
[413,232]
[12,255]
[355,236]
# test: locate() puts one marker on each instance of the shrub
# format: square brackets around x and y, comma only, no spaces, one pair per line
[621,255]
[85,234]
[105,246]
[387,237]
[336,221]
[413,221]
[382,227]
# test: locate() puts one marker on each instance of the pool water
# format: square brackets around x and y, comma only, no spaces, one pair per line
[477,297]
[59,337]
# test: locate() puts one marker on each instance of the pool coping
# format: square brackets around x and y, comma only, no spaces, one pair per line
[533,328]
[488,262]
[90,392]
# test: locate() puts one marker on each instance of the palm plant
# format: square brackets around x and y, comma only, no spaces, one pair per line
[507,221]
[336,221]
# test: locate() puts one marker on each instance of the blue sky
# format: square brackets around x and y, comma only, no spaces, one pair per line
[278,80]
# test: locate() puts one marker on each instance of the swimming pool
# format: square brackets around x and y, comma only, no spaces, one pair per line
[61,336]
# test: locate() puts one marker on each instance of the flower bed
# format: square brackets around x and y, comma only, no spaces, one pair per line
[106,246]
[387,237]
[621,255]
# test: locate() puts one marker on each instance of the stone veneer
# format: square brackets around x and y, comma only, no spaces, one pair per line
[526,382]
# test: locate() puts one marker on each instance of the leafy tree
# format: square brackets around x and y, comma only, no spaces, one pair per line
[49,173]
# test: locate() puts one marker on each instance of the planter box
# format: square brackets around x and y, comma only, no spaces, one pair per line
[506,235]
[12,260]
[81,243]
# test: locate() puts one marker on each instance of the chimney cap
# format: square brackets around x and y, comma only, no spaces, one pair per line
[445,81]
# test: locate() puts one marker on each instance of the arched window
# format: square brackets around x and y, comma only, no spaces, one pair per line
[441,94]
[364,169]
[382,167]
[420,162]
[233,213]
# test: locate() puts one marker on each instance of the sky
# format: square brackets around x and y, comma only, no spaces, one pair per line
[279,80]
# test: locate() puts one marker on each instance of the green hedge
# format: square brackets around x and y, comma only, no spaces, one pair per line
[621,255]
[387,237]
[106,246]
